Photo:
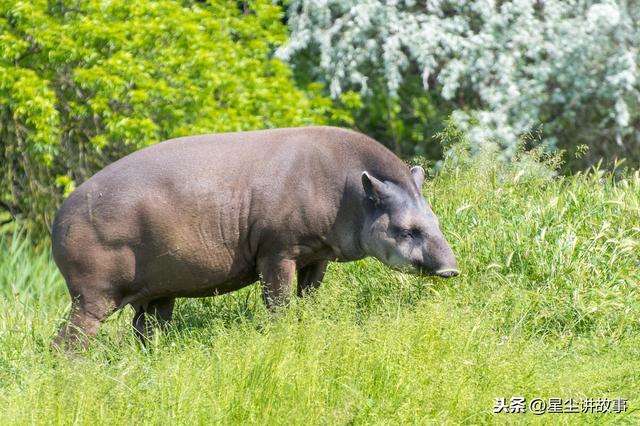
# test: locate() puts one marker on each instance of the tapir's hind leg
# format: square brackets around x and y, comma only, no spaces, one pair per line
[156,312]
[85,318]
[98,276]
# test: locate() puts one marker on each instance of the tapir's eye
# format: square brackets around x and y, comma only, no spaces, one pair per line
[406,234]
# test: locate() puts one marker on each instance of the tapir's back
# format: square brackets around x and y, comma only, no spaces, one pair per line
[269,153]
[223,168]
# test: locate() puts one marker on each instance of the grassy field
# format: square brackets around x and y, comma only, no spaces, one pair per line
[548,305]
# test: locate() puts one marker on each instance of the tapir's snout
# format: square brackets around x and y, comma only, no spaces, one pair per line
[439,259]
[448,273]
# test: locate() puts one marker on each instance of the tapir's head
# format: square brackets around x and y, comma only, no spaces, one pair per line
[401,230]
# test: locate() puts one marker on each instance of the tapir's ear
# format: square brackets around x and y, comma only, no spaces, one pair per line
[417,173]
[374,189]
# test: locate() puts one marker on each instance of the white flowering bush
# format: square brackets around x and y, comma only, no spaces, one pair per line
[504,67]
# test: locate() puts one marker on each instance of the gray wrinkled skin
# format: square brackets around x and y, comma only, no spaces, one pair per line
[205,215]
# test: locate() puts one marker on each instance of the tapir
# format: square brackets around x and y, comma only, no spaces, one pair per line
[205,215]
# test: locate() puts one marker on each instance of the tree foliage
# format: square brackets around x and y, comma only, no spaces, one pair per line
[502,67]
[83,83]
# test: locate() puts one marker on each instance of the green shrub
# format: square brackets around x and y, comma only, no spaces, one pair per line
[83,83]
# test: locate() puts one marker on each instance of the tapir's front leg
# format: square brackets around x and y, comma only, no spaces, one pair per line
[310,277]
[276,275]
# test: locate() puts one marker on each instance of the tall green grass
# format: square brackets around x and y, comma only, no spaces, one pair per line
[547,305]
